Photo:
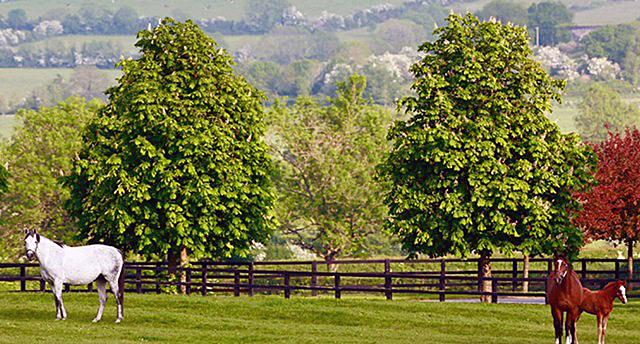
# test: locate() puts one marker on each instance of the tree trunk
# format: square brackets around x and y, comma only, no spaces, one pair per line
[525,274]
[630,243]
[484,274]
[181,260]
[330,258]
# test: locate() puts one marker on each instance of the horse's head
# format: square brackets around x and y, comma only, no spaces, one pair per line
[561,267]
[31,241]
[621,291]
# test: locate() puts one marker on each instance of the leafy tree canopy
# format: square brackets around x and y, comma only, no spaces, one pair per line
[602,109]
[329,202]
[479,167]
[40,152]
[504,11]
[611,208]
[611,41]
[263,15]
[175,162]
[547,16]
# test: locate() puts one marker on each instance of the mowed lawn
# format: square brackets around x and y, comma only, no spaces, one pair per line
[29,318]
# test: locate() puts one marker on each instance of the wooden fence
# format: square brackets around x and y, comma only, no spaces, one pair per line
[441,277]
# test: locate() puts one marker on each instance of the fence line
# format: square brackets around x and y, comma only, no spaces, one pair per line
[441,277]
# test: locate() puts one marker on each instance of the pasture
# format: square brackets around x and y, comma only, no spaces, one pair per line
[29,318]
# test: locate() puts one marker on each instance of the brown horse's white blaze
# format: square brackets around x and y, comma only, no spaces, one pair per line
[600,303]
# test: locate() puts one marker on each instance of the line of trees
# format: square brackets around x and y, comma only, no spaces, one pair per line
[179,164]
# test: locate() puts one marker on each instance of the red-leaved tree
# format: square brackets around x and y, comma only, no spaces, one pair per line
[612,208]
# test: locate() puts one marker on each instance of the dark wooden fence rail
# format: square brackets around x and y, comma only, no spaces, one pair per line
[440,277]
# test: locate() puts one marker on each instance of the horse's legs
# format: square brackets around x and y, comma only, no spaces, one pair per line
[557,323]
[56,287]
[602,328]
[119,298]
[572,320]
[55,297]
[101,284]
[118,295]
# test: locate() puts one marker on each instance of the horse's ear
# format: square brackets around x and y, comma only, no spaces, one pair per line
[37,237]
[622,283]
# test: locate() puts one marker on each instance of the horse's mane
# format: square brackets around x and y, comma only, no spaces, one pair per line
[57,242]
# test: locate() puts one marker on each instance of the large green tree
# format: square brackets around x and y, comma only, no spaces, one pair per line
[39,153]
[264,15]
[505,11]
[478,168]
[602,109]
[174,164]
[611,41]
[547,17]
[329,202]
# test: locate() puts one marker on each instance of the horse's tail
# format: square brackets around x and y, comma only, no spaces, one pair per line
[121,281]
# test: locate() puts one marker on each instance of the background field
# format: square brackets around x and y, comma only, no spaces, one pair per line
[230,9]
[595,13]
[28,318]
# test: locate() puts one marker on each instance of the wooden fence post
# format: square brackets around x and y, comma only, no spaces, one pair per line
[583,271]
[250,286]
[287,286]
[514,275]
[387,279]
[188,281]
[23,278]
[139,279]
[158,272]
[617,269]
[43,285]
[204,279]
[314,278]
[236,283]
[494,290]
[337,286]
[443,279]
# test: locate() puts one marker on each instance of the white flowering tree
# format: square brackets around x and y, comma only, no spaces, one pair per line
[48,28]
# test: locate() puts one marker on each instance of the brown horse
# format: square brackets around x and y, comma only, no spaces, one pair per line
[564,294]
[600,303]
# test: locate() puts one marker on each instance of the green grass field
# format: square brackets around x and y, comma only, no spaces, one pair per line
[29,318]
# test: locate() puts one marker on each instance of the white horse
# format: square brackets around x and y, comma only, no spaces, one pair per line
[81,265]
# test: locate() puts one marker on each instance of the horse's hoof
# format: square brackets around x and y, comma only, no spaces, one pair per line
[96,320]
[118,320]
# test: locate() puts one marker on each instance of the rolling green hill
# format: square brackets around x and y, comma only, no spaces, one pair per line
[196,9]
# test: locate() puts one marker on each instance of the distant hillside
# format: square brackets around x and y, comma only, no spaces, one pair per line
[587,12]
[195,9]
